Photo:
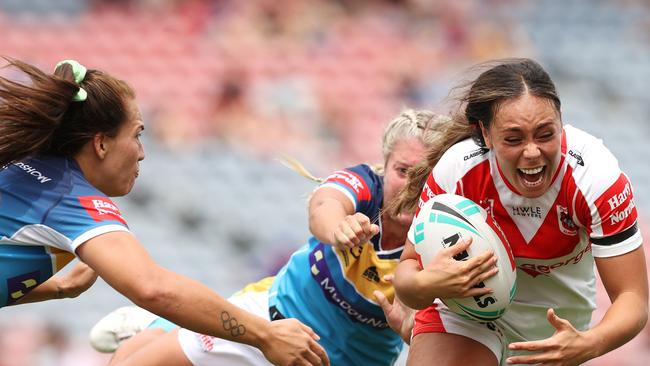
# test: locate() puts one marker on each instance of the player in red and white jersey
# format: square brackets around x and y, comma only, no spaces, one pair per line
[557,196]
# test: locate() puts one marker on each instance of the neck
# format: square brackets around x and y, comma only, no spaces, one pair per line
[88,163]
[393,233]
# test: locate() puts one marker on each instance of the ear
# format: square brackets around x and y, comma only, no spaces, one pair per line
[486,135]
[100,145]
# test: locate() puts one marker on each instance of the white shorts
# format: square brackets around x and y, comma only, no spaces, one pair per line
[203,350]
[437,318]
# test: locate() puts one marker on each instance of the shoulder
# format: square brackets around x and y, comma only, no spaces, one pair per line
[356,177]
[359,182]
[594,168]
[456,162]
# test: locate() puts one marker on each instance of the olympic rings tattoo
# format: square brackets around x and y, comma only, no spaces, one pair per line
[230,324]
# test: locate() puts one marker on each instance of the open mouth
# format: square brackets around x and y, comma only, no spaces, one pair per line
[532,177]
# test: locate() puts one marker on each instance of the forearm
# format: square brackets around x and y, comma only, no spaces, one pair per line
[624,319]
[194,306]
[407,286]
[48,290]
[324,219]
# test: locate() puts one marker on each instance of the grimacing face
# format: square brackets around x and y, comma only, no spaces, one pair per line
[405,154]
[526,137]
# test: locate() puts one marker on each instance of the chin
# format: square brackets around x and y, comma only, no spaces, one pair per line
[533,193]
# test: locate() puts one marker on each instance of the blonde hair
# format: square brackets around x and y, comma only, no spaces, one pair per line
[442,132]
[438,133]
[410,123]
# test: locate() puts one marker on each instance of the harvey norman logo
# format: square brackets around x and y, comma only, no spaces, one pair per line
[618,199]
[32,171]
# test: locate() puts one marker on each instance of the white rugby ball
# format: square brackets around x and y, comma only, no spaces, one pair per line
[442,222]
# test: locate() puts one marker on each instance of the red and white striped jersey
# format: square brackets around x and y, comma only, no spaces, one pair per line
[587,212]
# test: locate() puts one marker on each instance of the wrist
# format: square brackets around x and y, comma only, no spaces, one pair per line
[59,290]
[262,336]
[596,341]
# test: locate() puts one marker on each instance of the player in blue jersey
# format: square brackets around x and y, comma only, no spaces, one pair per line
[68,142]
[332,282]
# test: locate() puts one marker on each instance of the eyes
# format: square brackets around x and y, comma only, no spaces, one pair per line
[517,138]
[402,171]
[139,132]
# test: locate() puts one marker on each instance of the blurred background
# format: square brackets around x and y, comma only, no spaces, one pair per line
[227,87]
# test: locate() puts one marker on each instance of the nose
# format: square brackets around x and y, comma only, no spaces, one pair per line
[531,151]
[141,153]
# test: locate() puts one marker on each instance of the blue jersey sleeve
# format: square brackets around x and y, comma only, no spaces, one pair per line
[361,185]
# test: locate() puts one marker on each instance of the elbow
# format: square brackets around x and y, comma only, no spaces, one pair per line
[410,296]
[149,296]
[153,296]
[643,321]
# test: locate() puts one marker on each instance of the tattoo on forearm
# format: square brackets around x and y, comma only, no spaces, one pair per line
[230,324]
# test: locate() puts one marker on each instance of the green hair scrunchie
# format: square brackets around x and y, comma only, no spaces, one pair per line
[79,72]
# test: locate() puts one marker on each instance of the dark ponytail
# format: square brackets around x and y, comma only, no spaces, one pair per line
[41,117]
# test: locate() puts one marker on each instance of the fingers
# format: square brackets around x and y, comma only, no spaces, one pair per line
[529,346]
[557,322]
[316,355]
[310,331]
[389,278]
[459,247]
[386,306]
[354,230]
[322,358]
[484,271]
[539,347]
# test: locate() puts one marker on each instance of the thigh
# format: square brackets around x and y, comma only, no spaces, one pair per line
[456,337]
[205,350]
[445,349]
[164,350]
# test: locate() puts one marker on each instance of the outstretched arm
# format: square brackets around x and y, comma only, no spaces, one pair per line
[625,279]
[333,220]
[124,264]
[79,279]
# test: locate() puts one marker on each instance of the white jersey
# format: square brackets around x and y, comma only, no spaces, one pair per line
[587,212]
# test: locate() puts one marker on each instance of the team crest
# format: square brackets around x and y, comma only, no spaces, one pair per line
[566,224]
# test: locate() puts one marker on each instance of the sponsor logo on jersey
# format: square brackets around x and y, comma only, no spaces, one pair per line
[543,269]
[351,180]
[619,198]
[566,224]
[33,172]
[21,285]
[475,153]
[578,157]
[620,216]
[101,208]
[321,273]
[527,211]
[371,274]
[616,207]
[207,342]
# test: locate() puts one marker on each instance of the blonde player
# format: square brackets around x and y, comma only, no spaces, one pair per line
[330,283]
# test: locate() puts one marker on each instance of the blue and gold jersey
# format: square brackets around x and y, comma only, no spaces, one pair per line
[47,209]
[331,290]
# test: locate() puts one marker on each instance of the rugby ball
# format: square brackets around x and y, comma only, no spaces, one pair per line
[442,222]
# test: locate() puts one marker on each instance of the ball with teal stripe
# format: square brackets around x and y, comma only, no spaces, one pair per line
[446,219]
